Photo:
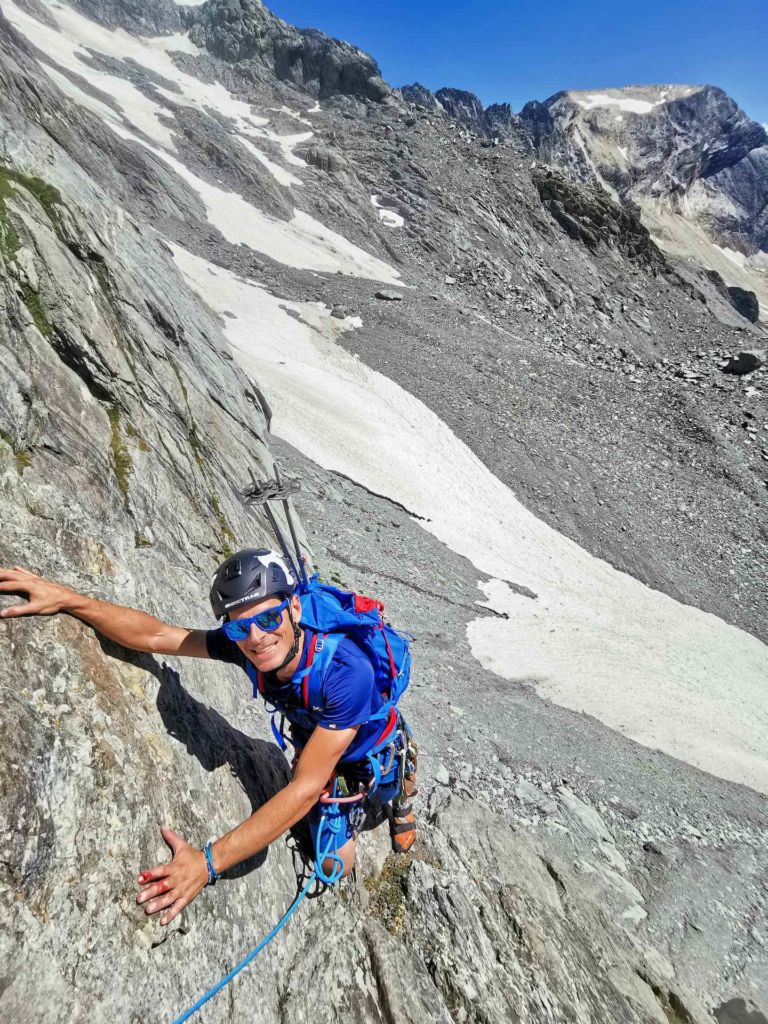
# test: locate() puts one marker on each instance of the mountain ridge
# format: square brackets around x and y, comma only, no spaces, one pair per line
[687,154]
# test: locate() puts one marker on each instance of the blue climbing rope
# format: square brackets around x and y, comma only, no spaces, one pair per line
[331,820]
[254,953]
[319,874]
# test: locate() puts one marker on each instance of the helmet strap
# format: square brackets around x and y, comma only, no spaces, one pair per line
[296,642]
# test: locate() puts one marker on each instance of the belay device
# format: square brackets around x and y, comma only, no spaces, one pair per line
[329,614]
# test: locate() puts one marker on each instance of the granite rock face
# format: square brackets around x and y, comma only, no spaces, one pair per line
[245,30]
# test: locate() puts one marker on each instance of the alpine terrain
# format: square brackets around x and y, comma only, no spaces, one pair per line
[517,362]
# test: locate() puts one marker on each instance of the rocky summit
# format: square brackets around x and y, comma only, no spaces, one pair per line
[526,402]
[693,161]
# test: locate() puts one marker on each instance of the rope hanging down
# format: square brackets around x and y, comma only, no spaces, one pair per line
[254,953]
[329,878]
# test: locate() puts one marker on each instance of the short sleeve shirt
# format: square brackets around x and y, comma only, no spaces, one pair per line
[350,695]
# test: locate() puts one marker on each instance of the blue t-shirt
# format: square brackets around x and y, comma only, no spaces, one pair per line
[350,695]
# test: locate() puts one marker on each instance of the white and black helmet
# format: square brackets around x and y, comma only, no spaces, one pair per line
[250,575]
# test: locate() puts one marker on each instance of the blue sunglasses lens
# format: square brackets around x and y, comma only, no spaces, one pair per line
[267,622]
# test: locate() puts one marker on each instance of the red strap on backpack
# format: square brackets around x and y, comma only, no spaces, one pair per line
[308,666]
[388,728]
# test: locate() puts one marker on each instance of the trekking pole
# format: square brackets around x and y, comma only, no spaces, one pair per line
[260,494]
[284,492]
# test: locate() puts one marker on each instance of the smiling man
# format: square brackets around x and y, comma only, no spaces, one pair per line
[254,591]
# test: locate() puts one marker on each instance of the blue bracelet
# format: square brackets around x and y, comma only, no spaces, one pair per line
[212,872]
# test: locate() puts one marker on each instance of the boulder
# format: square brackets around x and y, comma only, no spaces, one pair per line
[324,159]
[745,362]
[745,302]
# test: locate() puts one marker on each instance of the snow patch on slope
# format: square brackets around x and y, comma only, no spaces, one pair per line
[302,242]
[625,103]
[278,172]
[69,47]
[389,217]
[594,639]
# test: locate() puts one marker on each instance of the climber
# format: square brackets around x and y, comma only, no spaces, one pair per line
[255,593]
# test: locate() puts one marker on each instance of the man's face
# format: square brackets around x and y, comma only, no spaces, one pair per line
[267,651]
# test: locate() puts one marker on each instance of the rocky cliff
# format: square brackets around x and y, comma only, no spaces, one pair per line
[202,269]
[696,164]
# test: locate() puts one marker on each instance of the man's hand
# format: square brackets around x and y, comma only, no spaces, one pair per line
[171,887]
[126,626]
[44,596]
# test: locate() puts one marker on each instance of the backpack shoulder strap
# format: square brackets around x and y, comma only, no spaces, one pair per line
[322,647]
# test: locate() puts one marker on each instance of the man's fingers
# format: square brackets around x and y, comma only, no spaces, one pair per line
[161,903]
[152,890]
[153,874]
[11,583]
[18,609]
[177,908]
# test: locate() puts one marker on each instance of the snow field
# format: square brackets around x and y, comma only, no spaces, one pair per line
[631,106]
[594,640]
[623,99]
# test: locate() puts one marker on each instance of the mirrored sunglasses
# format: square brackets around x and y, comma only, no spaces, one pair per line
[267,621]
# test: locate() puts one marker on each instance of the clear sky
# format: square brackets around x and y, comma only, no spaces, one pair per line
[520,50]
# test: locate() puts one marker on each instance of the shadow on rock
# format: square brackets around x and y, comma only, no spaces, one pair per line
[258,766]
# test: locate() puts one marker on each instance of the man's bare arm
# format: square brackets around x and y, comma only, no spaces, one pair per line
[126,626]
[313,770]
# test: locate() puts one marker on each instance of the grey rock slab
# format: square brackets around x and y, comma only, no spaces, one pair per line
[530,794]
[587,816]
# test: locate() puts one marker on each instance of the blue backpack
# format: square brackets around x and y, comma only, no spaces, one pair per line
[328,615]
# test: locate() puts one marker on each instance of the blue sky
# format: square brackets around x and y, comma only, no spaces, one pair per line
[516,51]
